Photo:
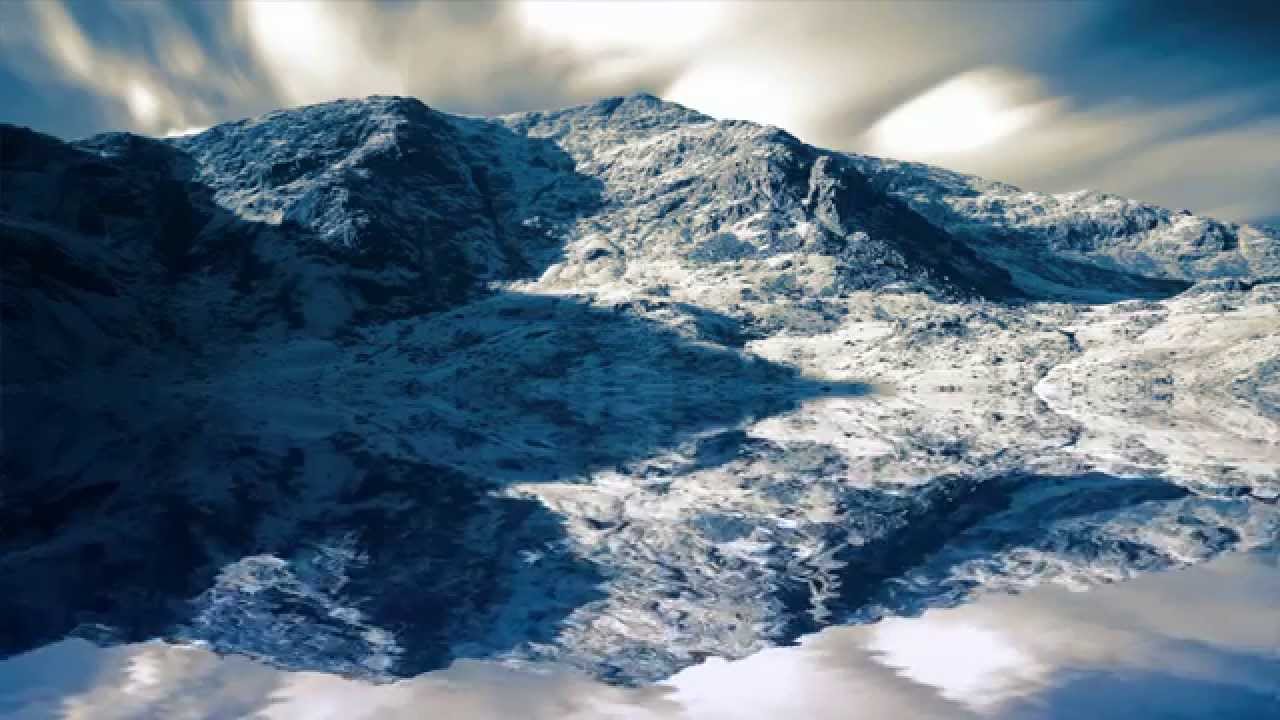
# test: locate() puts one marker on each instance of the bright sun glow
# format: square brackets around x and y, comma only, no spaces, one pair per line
[142,103]
[966,662]
[739,89]
[316,51]
[295,32]
[967,112]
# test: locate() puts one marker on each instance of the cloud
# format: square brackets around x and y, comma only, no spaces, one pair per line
[314,51]
[1231,174]
[76,680]
[964,114]
[629,26]
[137,85]
[1002,124]
[839,67]
[474,58]
[1142,644]
[830,676]
[1050,96]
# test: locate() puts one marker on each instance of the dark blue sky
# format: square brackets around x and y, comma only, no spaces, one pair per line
[1172,102]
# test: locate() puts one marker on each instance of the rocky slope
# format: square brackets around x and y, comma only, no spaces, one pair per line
[366,387]
[1079,245]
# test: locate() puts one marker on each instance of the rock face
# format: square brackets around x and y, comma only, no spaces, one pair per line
[365,387]
[1079,245]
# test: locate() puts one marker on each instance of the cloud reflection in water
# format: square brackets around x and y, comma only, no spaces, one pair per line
[1203,642]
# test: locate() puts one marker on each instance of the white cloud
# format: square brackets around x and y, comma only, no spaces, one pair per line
[1230,174]
[142,102]
[635,26]
[968,662]
[140,87]
[740,88]
[1000,124]
[319,51]
[936,82]
[966,113]
[1000,657]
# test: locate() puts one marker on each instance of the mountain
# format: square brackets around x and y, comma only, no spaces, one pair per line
[1078,245]
[366,387]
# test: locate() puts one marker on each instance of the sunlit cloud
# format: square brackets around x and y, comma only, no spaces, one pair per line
[61,35]
[1002,90]
[1231,174]
[75,680]
[1156,154]
[734,88]
[967,112]
[142,102]
[139,86]
[635,26]
[1001,657]
[318,51]
[969,663]
[618,44]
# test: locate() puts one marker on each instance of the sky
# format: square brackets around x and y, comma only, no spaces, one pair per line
[1171,102]
[1193,643]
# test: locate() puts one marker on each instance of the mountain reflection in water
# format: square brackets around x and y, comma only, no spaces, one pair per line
[1196,643]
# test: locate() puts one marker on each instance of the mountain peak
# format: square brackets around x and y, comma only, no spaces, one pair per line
[637,112]
[635,103]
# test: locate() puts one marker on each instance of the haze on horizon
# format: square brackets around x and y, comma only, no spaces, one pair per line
[1175,103]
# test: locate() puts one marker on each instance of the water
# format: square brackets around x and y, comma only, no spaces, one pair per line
[1196,643]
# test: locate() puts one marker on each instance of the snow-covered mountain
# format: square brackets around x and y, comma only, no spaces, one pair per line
[1055,244]
[366,387]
